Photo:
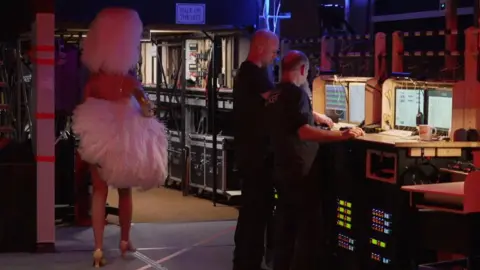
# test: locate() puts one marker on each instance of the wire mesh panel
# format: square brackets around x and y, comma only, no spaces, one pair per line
[424,48]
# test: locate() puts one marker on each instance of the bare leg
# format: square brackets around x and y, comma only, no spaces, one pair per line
[125,212]
[99,200]
[125,216]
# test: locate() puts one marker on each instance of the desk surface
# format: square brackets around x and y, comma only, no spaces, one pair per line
[450,189]
[405,142]
[438,144]
[386,139]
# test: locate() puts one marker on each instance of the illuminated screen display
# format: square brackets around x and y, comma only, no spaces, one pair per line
[440,109]
[407,104]
[336,100]
[344,221]
[381,227]
[356,100]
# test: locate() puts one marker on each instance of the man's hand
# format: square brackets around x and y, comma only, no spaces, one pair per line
[353,132]
[322,119]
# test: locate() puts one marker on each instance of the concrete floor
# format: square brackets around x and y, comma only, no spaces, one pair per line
[174,246]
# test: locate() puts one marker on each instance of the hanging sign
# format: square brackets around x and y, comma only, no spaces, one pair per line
[190,13]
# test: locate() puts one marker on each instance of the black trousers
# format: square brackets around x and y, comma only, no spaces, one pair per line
[255,213]
[299,240]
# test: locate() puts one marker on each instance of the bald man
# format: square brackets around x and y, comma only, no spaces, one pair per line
[294,140]
[251,88]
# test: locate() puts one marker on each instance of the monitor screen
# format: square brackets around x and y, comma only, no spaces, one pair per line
[440,108]
[407,104]
[336,100]
[356,100]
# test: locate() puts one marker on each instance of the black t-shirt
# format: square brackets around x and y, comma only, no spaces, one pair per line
[288,110]
[251,135]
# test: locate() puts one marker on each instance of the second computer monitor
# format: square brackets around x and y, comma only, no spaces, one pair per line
[439,109]
[408,103]
[345,102]
[356,98]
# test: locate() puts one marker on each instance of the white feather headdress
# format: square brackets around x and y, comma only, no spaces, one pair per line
[113,41]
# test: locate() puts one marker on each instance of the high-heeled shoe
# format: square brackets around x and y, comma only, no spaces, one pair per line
[126,246]
[98,259]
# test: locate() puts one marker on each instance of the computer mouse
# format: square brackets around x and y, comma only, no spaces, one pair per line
[323,126]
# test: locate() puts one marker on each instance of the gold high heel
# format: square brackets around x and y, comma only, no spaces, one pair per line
[98,259]
[126,246]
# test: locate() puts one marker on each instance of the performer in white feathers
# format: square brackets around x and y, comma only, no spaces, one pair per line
[125,146]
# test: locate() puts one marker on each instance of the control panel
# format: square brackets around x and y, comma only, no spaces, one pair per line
[346,239]
[380,235]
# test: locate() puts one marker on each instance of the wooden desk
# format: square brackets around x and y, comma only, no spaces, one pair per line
[378,166]
[437,144]
[405,142]
[417,148]
[385,139]
[447,197]
[458,229]
[449,189]
[463,194]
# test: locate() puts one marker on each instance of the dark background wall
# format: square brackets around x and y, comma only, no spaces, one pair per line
[304,22]
[305,19]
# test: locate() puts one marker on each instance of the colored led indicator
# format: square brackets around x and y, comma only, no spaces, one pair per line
[378,243]
[346,242]
[381,221]
[378,258]
[344,213]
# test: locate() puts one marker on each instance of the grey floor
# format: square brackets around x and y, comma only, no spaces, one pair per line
[180,246]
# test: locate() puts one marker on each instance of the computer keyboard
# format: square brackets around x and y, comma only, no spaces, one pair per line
[397,133]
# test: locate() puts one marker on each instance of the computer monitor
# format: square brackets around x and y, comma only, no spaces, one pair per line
[336,100]
[439,109]
[356,102]
[408,102]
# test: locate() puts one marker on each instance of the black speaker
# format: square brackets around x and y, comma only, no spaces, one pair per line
[18,198]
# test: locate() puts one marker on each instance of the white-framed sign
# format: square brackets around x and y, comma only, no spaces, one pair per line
[190,13]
